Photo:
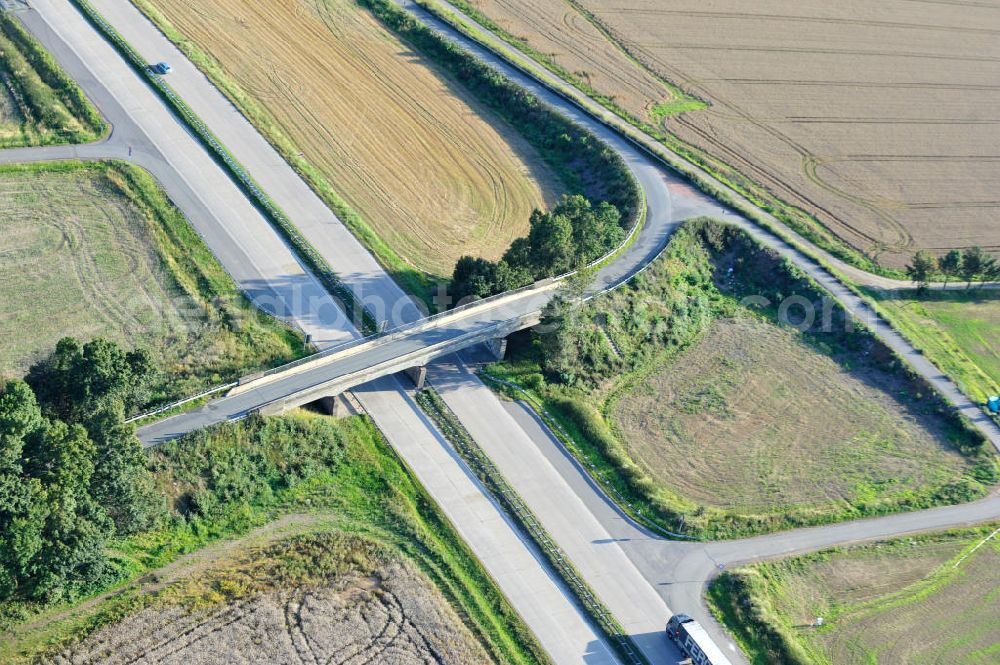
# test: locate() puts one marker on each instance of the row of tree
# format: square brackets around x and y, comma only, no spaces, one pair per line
[72,473]
[971,264]
[570,236]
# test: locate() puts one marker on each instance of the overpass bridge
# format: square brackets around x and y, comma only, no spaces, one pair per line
[342,367]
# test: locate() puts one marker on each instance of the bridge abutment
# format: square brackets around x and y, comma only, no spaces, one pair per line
[332,405]
[497,346]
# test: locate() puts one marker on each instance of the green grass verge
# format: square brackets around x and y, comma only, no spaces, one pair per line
[917,599]
[41,104]
[956,330]
[222,482]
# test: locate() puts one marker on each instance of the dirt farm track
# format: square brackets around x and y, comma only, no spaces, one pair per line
[878,117]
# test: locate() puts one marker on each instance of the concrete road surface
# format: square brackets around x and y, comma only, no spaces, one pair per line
[594,551]
[245,243]
[513,561]
[321,227]
[261,263]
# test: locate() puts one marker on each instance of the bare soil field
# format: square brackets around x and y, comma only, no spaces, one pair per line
[93,251]
[315,599]
[753,420]
[902,601]
[877,118]
[430,170]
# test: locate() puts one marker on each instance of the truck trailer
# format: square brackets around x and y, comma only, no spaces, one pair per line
[692,638]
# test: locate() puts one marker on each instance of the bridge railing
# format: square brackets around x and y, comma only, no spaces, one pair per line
[400,330]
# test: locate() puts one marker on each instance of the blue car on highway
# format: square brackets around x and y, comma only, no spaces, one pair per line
[161,68]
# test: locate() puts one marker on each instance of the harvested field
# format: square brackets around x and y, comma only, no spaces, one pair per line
[304,513]
[752,419]
[901,601]
[95,250]
[431,171]
[365,605]
[878,118]
[565,36]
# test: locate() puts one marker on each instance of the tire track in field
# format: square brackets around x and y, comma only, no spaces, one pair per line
[789,18]
[900,239]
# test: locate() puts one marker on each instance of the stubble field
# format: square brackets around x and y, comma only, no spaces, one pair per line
[433,173]
[565,36]
[879,119]
[928,599]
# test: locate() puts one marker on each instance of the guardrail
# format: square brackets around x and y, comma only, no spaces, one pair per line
[428,321]
[295,238]
[174,405]
[487,472]
[416,357]
[242,177]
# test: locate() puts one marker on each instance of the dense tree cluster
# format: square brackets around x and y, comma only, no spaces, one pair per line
[72,473]
[572,235]
[968,265]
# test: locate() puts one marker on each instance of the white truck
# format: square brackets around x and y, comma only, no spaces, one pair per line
[692,638]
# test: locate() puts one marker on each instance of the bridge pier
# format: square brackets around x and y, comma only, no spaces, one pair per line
[418,375]
[497,346]
[332,405]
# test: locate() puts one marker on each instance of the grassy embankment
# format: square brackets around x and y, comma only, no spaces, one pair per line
[224,482]
[957,330]
[720,420]
[580,163]
[757,194]
[917,599]
[39,104]
[97,249]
